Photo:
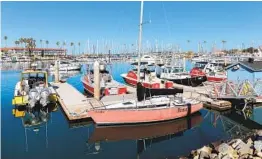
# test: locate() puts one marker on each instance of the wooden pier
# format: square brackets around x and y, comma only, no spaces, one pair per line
[73,102]
[219,105]
[76,105]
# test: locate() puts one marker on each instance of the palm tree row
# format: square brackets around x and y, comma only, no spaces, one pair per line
[23,41]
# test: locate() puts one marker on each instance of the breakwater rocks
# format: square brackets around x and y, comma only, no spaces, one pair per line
[248,148]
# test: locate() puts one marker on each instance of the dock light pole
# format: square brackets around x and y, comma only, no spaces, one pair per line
[97,80]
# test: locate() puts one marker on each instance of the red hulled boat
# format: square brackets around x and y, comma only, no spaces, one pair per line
[108,85]
[131,79]
[212,71]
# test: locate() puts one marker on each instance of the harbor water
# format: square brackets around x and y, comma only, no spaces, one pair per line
[57,138]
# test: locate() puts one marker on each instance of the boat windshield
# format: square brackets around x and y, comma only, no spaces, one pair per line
[200,65]
[39,76]
[177,70]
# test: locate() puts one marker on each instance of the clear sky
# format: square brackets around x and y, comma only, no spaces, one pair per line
[171,22]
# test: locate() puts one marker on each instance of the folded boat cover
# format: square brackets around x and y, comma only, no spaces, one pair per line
[143,92]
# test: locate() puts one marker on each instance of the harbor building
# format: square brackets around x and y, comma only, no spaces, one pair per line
[245,70]
[36,51]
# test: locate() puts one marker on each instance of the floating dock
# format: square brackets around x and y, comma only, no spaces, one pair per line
[73,102]
[219,105]
[76,105]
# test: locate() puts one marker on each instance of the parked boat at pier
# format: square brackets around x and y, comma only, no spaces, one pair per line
[147,76]
[66,66]
[177,75]
[33,90]
[212,71]
[108,85]
[147,110]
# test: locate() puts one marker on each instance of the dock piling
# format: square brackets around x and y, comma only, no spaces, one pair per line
[97,80]
[56,71]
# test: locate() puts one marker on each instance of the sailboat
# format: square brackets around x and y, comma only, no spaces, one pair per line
[158,107]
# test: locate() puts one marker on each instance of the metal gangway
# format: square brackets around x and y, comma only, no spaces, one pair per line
[226,89]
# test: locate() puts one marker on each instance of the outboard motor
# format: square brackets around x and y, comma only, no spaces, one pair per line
[44,94]
[33,97]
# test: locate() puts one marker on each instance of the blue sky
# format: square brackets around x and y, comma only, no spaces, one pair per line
[171,22]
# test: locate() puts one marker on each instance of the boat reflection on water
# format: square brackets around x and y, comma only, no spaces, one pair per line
[145,135]
[34,120]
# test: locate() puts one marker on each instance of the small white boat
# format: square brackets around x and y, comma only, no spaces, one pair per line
[66,66]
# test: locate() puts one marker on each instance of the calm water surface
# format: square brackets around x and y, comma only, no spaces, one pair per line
[59,139]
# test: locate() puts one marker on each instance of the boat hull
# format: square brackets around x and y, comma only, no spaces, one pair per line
[215,79]
[140,116]
[131,79]
[105,91]
[193,81]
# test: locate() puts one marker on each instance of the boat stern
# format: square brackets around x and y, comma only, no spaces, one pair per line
[20,100]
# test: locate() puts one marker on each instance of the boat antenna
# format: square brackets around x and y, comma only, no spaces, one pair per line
[140,40]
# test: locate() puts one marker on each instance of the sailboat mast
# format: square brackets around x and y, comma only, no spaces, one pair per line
[140,40]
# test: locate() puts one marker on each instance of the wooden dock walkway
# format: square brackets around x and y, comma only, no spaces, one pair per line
[220,105]
[73,102]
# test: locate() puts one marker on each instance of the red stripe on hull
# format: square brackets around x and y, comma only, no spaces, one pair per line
[130,82]
[133,82]
[106,92]
[212,78]
[88,88]
[133,116]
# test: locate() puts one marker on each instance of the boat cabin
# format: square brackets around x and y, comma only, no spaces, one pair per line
[170,69]
[104,76]
[245,70]
[201,65]
[34,78]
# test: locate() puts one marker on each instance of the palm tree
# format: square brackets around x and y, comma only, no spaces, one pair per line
[64,44]
[41,42]
[79,47]
[47,42]
[17,43]
[58,43]
[30,45]
[223,43]
[23,41]
[72,44]
[5,38]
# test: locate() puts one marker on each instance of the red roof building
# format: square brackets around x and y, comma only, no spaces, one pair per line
[37,51]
